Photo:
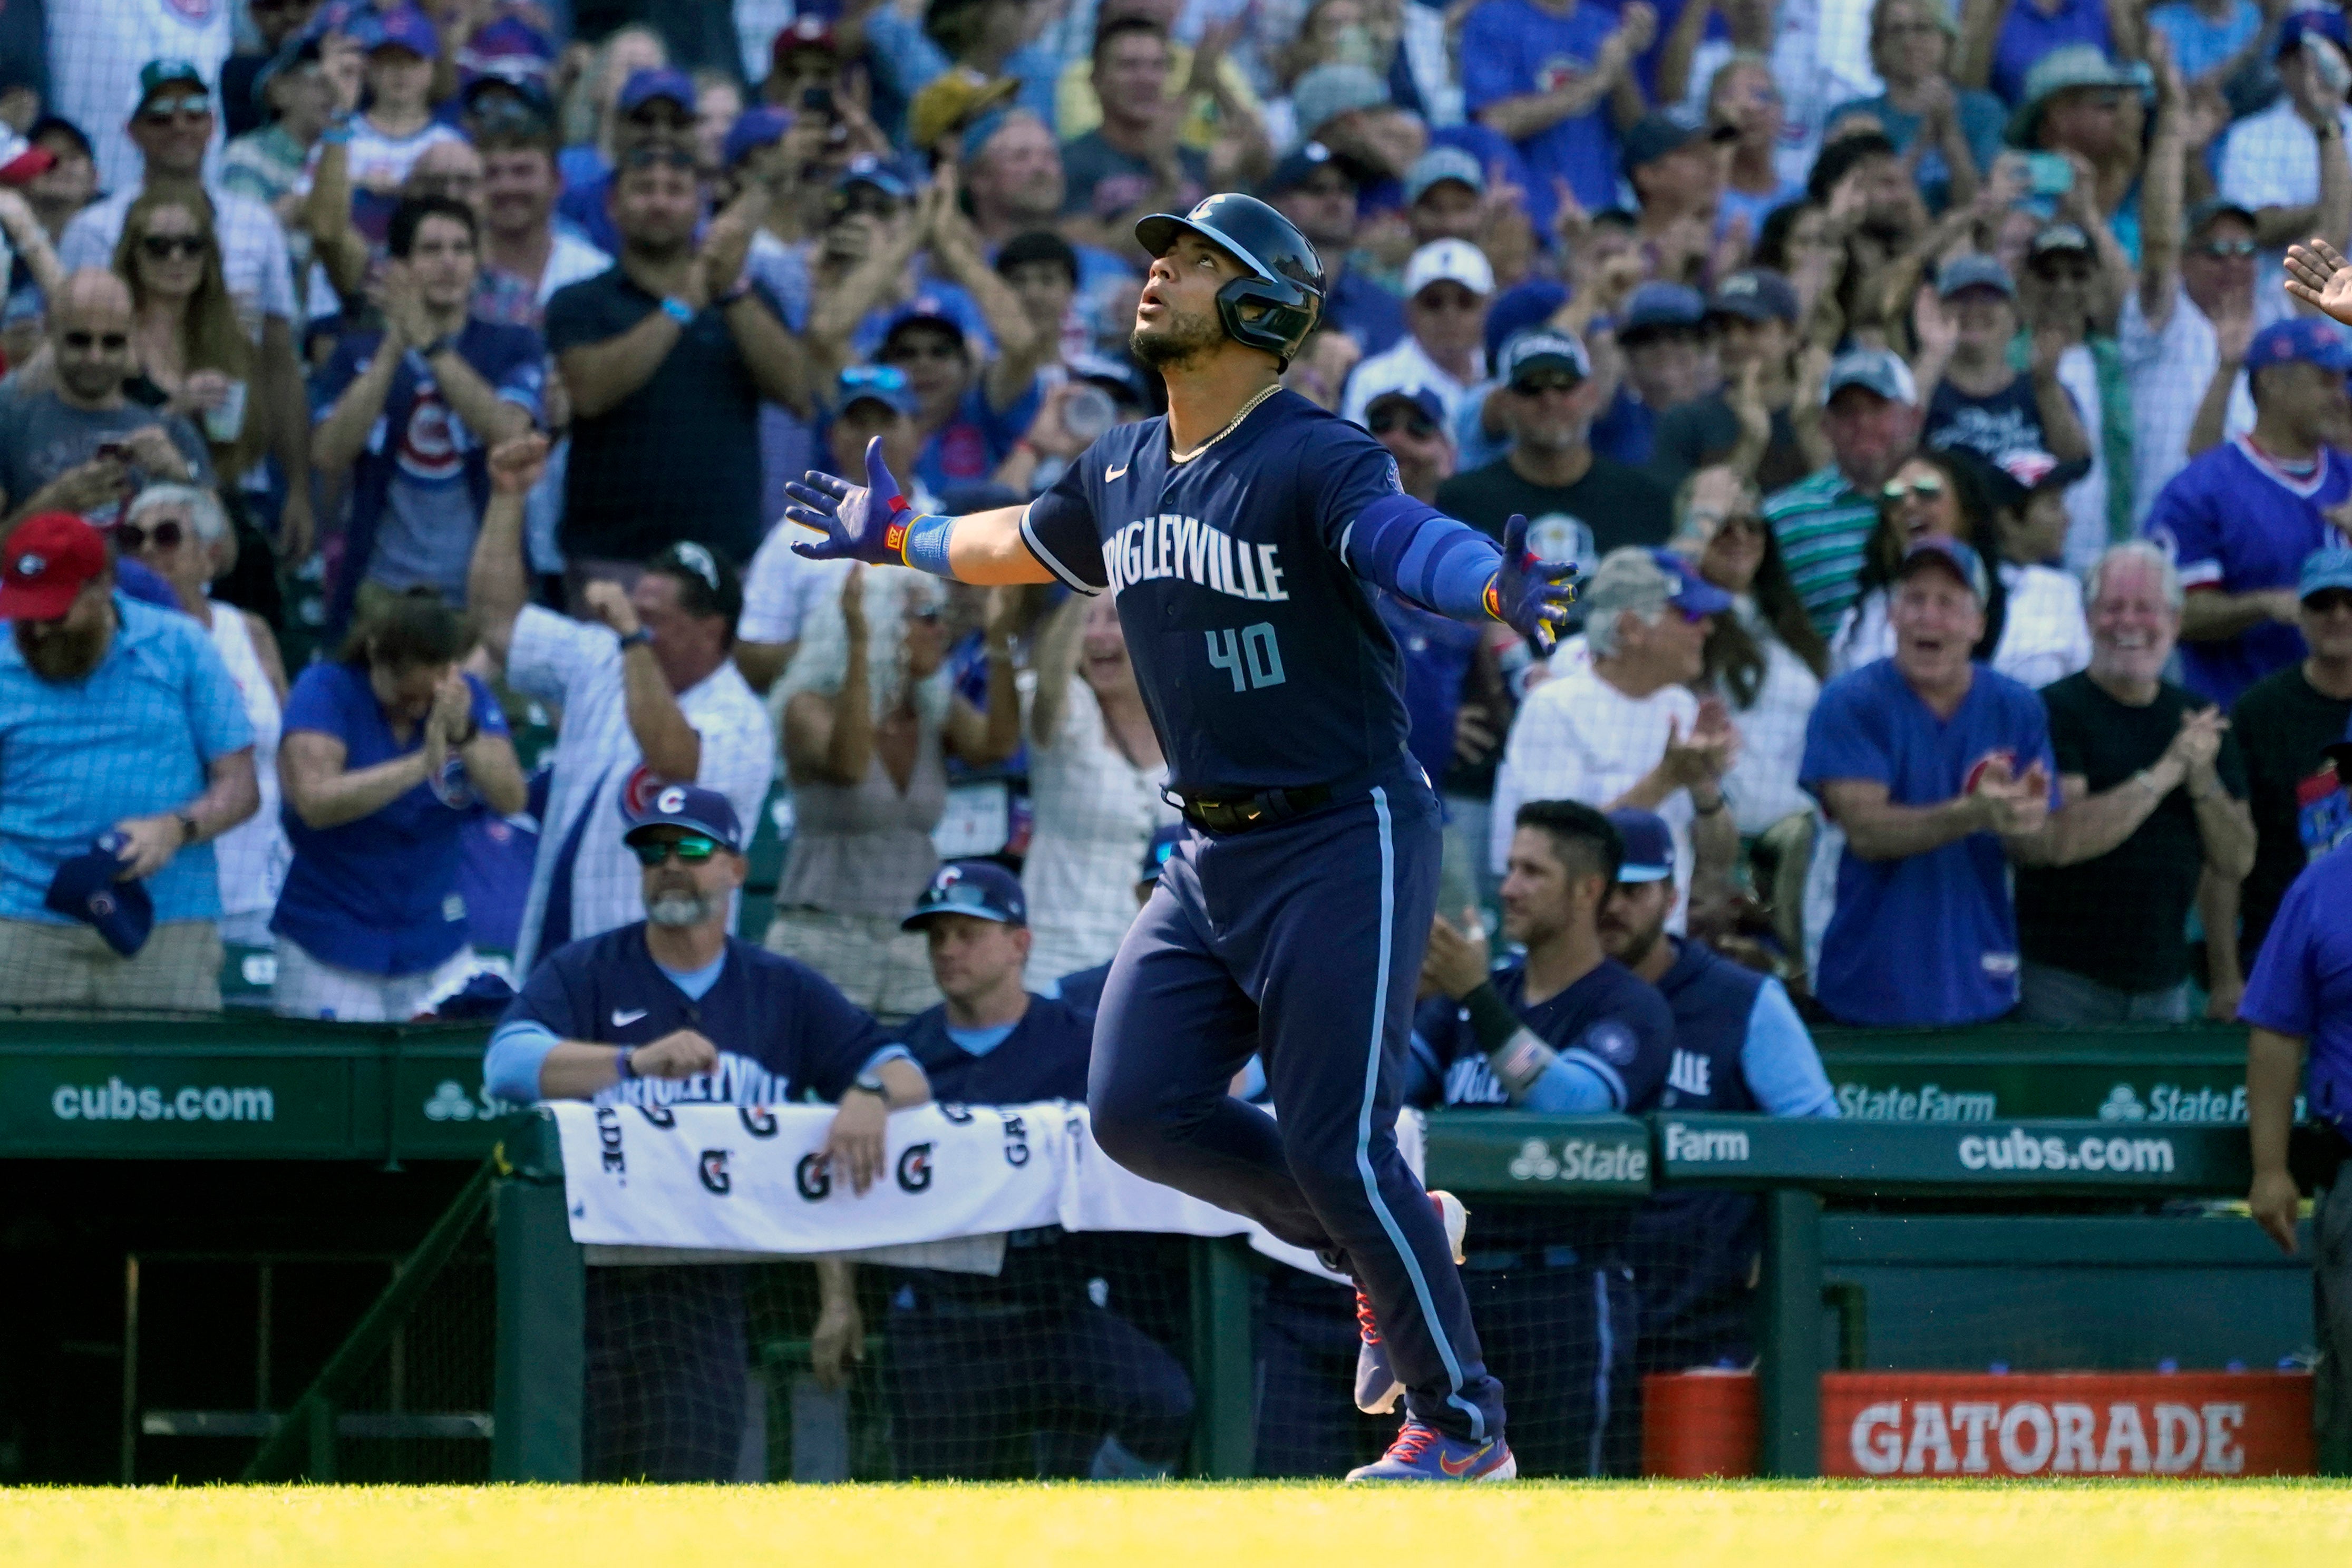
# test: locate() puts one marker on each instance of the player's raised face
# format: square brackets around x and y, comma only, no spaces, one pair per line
[1176,314]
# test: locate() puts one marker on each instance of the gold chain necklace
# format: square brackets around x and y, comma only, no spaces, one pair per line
[1230,427]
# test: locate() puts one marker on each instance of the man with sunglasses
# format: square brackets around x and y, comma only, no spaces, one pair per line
[173,128]
[96,65]
[1447,287]
[1241,534]
[81,445]
[672,1010]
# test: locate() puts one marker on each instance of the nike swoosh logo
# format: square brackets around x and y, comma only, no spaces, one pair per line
[622,1019]
[1469,1459]
[1111,474]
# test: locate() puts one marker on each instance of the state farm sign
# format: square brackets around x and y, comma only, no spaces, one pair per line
[1897,1424]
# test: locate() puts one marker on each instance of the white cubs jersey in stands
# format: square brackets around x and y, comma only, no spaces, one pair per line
[96,50]
[585,881]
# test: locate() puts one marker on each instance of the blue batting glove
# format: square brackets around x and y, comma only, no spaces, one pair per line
[1530,596]
[866,522]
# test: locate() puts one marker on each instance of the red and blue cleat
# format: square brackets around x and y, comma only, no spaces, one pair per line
[1377,1388]
[1422,1453]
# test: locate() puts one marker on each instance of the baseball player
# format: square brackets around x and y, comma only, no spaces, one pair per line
[1243,534]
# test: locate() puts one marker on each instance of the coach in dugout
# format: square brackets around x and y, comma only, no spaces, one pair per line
[1568,1030]
[977,1362]
[671,1009]
[1738,1046]
[2299,998]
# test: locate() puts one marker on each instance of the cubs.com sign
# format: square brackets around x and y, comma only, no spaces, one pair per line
[1899,1426]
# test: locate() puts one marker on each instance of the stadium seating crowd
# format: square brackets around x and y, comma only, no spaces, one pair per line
[1964,507]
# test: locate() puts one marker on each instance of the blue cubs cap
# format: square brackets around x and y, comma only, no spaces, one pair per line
[1658,134]
[404,28]
[687,806]
[752,130]
[1165,842]
[644,86]
[1648,846]
[865,169]
[1954,556]
[85,889]
[1514,310]
[1301,165]
[2325,24]
[1543,349]
[1660,307]
[1431,406]
[2312,340]
[1692,593]
[884,385]
[2324,569]
[981,889]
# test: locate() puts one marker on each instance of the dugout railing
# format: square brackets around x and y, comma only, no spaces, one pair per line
[1915,1194]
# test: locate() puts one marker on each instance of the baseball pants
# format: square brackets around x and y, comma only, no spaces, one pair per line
[1301,942]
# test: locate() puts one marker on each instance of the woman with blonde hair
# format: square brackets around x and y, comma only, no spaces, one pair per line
[190,341]
[869,719]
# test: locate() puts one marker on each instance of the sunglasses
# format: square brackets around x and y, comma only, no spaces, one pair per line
[1416,423]
[865,200]
[691,849]
[658,158]
[1926,489]
[2328,601]
[1741,522]
[113,342]
[131,539]
[2226,249]
[1535,386]
[195,106]
[163,247]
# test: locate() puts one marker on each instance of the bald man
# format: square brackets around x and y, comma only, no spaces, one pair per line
[451,169]
[81,446]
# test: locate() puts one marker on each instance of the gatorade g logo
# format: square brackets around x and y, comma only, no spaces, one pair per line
[661,1116]
[812,1177]
[1017,1142]
[714,1172]
[915,1169]
[960,1115]
[758,1121]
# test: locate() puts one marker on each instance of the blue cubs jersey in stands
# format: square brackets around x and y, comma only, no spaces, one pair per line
[783,1033]
[1261,657]
[2239,523]
[1044,1057]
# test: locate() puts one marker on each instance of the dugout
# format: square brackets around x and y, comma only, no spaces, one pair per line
[203,1258]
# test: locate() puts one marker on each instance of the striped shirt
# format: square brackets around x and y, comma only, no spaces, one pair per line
[1822,523]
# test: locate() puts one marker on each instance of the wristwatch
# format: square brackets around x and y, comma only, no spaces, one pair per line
[622,1064]
[643,635]
[871,1082]
[188,829]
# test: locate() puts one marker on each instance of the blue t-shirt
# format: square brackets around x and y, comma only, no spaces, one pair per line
[134,737]
[1437,655]
[2197,45]
[1041,1056]
[2302,983]
[783,1033]
[1983,119]
[1627,429]
[967,449]
[2236,521]
[1931,939]
[2027,35]
[378,895]
[1511,47]
[1261,660]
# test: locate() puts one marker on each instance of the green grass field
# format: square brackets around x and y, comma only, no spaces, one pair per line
[1557,1525]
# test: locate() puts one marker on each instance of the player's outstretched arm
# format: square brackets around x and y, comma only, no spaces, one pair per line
[874,523]
[1419,554]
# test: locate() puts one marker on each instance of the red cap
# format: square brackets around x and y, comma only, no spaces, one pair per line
[47,562]
[806,33]
[20,160]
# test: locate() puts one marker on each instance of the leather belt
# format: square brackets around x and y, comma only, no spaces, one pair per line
[1240,813]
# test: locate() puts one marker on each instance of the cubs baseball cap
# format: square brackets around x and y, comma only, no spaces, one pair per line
[1430,406]
[1656,135]
[1449,261]
[2312,340]
[1646,581]
[1879,371]
[884,385]
[48,561]
[2326,22]
[752,130]
[865,169]
[1954,556]
[402,27]
[648,86]
[1530,304]
[1649,845]
[1164,842]
[1974,270]
[1303,164]
[2324,569]
[157,75]
[2023,470]
[85,888]
[1543,349]
[1754,294]
[1660,307]
[981,889]
[1115,376]
[1440,164]
[687,806]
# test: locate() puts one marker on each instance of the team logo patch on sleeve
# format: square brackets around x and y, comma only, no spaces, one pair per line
[1611,1041]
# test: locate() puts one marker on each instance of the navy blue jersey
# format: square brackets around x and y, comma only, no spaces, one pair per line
[1261,657]
[1082,989]
[1609,1022]
[1712,1000]
[1044,1057]
[783,1033]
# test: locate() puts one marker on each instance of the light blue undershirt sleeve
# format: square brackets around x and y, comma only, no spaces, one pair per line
[1782,1068]
[1568,1088]
[510,1066]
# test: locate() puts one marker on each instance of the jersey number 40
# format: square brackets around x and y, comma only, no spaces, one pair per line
[1251,656]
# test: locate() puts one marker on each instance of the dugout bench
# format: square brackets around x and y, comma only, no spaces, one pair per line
[331,1149]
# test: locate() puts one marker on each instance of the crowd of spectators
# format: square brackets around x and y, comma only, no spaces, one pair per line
[398,402]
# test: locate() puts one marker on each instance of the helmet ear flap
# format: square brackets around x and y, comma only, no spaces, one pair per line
[1282,315]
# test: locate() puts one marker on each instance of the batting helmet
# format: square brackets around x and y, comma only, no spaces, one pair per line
[1286,281]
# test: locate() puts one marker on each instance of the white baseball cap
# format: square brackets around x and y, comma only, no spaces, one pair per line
[1449,261]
